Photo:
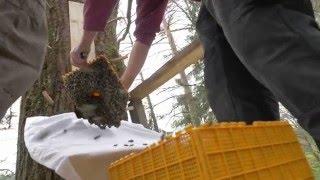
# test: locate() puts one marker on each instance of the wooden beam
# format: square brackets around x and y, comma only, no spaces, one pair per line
[189,55]
[76,26]
[79,1]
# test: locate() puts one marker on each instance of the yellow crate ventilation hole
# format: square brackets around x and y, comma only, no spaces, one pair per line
[264,150]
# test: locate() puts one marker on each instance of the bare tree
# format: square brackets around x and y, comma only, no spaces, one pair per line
[153,120]
[183,81]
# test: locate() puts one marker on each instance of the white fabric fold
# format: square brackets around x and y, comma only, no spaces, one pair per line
[77,150]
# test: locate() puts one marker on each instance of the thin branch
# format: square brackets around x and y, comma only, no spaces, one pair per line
[129,22]
[158,41]
[180,29]
[47,97]
[183,10]
[119,58]
[171,111]
[164,100]
[171,88]
[115,19]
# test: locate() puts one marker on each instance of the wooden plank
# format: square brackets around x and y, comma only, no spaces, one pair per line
[76,26]
[189,55]
[79,1]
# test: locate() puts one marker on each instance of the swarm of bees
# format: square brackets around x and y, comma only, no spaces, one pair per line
[98,94]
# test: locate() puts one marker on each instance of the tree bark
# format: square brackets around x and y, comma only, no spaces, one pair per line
[56,64]
[152,113]
[106,42]
[33,102]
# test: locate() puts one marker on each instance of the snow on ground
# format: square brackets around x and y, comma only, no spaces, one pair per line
[8,142]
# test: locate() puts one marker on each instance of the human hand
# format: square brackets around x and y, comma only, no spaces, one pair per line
[78,57]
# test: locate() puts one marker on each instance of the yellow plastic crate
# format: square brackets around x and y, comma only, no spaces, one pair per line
[264,150]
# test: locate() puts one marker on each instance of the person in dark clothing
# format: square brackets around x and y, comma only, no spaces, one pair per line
[259,52]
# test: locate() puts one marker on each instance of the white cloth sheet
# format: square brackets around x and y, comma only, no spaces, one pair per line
[77,150]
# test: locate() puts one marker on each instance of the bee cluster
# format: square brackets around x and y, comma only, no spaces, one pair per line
[98,94]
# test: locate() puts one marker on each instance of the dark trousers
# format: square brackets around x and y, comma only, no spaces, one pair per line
[259,52]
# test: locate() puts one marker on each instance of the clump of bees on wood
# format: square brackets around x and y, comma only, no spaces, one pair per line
[98,94]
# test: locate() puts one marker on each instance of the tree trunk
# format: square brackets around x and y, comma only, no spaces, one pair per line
[106,42]
[189,105]
[33,102]
[56,65]
[154,122]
